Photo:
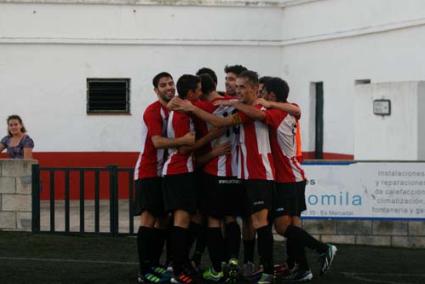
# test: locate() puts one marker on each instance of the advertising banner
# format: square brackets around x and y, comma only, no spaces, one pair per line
[381,190]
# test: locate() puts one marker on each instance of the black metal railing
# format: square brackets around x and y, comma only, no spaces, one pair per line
[44,178]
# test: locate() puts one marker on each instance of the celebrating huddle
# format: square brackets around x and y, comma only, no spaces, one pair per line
[209,158]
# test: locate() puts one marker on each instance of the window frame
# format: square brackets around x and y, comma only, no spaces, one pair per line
[127,110]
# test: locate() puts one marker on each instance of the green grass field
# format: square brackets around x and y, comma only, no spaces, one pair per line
[47,258]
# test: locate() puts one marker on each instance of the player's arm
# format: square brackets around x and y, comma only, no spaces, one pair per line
[201,142]
[2,147]
[178,104]
[161,142]
[154,125]
[216,151]
[286,107]
[251,111]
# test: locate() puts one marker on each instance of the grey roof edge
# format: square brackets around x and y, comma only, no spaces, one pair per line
[217,3]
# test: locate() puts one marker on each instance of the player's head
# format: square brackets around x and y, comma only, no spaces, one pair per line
[206,70]
[276,90]
[189,87]
[247,86]
[232,73]
[261,83]
[164,86]
[207,84]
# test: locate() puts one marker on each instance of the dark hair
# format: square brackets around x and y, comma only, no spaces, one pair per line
[206,70]
[236,69]
[18,118]
[251,76]
[207,84]
[264,79]
[159,76]
[279,87]
[187,83]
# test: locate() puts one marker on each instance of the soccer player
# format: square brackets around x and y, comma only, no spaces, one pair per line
[222,191]
[179,190]
[149,203]
[261,82]
[209,71]
[289,198]
[232,73]
[255,165]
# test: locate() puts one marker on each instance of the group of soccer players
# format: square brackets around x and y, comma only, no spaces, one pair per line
[209,158]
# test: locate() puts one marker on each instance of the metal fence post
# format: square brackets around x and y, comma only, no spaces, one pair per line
[35,219]
[113,198]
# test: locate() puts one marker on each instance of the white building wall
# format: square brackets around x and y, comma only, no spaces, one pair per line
[392,137]
[49,87]
[421,121]
[48,48]
[338,42]
[48,51]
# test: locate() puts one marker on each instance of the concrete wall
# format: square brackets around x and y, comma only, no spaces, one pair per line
[421,121]
[392,137]
[368,232]
[50,47]
[340,41]
[49,50]
[15,195]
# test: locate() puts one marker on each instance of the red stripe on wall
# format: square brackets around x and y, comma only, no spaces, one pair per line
[328,156]
[104,159]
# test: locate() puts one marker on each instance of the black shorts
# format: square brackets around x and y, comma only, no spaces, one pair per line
[222,196]
[148,197]
[198,183]
[179,193]
[258,195]
[289,199]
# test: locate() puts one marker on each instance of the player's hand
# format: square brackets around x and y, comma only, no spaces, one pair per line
[224,102]
[178,104]
[188,139]
[217,132]
[174,103]
[221,149]
[265,103]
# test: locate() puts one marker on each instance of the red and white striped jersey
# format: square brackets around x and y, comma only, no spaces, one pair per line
[150,161]
[283,142]
[225,165]
[255,156]
[178,125]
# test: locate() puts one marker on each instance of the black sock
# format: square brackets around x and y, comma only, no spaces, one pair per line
[194,229]
[265,248]
[201,243]
[248,250]
[215,243]
[144,239]
[179,251]
[304,239]
[233,239]
[168,247]
[290,253]
[301,258]
[159,238]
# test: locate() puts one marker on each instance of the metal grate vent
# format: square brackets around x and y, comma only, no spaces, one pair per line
[108,95]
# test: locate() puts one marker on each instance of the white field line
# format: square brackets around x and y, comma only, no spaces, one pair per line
[363,276]
[67,260]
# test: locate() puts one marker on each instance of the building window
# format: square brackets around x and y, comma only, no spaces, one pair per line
[108,96]
[362,82]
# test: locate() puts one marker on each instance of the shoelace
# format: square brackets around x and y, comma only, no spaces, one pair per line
[152,278]
[159,270]
[185,278]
